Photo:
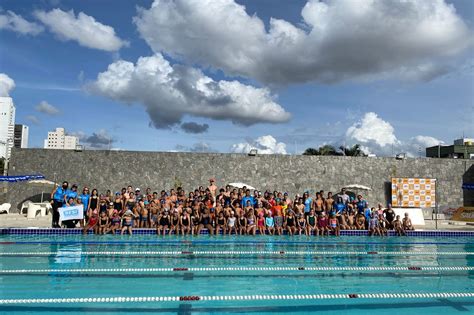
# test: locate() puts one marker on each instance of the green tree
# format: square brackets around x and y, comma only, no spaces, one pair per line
[355,150]
[324,150]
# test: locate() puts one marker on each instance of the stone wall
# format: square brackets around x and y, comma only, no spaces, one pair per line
[294,174]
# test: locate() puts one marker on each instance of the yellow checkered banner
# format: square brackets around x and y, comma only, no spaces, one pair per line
[414,192]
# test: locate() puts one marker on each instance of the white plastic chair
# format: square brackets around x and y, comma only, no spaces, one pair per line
[24,206]
[47,208]
[5,207]
[33,210]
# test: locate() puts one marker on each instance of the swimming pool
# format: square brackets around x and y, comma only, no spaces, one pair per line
[218,274]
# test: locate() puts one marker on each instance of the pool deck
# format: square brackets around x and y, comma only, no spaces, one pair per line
[16,220]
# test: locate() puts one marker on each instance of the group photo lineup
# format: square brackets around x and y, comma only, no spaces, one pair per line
[237,157]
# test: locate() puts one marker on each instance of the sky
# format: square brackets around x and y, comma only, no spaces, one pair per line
[232,75]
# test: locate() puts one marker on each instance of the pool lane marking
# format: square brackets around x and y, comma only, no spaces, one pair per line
[197,269]
[194,242]
[262,297]
[238,253]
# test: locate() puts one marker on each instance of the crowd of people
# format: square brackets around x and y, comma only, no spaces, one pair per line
[226,210]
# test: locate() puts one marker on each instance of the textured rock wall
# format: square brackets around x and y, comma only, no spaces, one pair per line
[161,170]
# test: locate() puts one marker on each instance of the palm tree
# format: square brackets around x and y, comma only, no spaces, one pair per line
[355,150]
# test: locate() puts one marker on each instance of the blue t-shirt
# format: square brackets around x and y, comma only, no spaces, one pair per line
[249,198]
[85,200]
[361,205]
[340,207]
[367,214]
[59,194]
[307,204]
[269,221]
[70,194]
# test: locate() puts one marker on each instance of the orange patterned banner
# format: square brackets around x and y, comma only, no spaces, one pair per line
[414,192]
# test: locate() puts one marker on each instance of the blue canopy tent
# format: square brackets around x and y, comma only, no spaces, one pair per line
[468,186]
[20,178]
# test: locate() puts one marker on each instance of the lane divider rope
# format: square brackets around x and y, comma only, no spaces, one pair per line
[166,253]
[195,298]
[198,269]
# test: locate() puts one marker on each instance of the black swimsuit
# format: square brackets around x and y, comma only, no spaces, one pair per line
[184,220]
[165,221]
[94,202]
[290,221]
[220,221]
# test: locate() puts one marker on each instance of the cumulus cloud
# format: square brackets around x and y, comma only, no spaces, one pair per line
[338,40]
[33,119]
[416,146]
[83,29]
[192,127]
[16,23]
[46,108]
[377,136]
[372,129]
[169,92]
[264,145]
[6,84]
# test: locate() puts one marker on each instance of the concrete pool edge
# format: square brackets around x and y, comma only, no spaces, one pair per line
[145,231]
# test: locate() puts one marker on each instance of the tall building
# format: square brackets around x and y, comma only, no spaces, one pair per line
[59,140]
[21,136]
[7,126]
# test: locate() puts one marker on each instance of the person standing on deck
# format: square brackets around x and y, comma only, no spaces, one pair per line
[57,201]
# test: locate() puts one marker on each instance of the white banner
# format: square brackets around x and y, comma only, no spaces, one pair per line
[71,213]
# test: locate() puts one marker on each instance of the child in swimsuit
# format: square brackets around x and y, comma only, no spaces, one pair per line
[251,227]
[103,223]
[231,223]
[323,224]
[242,225]
[373,225]
[163,223]
[261,224]
[290,223]
[301,224]
[221,223]
[185,222]
[334,225]
[312,224]
[174,223]
[269,223]
[115,226]
[397,226]
[127,222]
[93,222]
[406,222]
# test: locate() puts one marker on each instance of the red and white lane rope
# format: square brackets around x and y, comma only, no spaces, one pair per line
[217,269]
[230,253]
[195,298]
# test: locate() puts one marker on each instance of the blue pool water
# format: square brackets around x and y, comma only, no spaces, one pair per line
[73,266]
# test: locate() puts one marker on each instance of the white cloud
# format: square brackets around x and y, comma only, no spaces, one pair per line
[46,108]
[33,119]
[83,29]
[370,129]
[6,84]
[340,39]
[16,23]
[264,145]
[377,136]
[169,92]
[417,145]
